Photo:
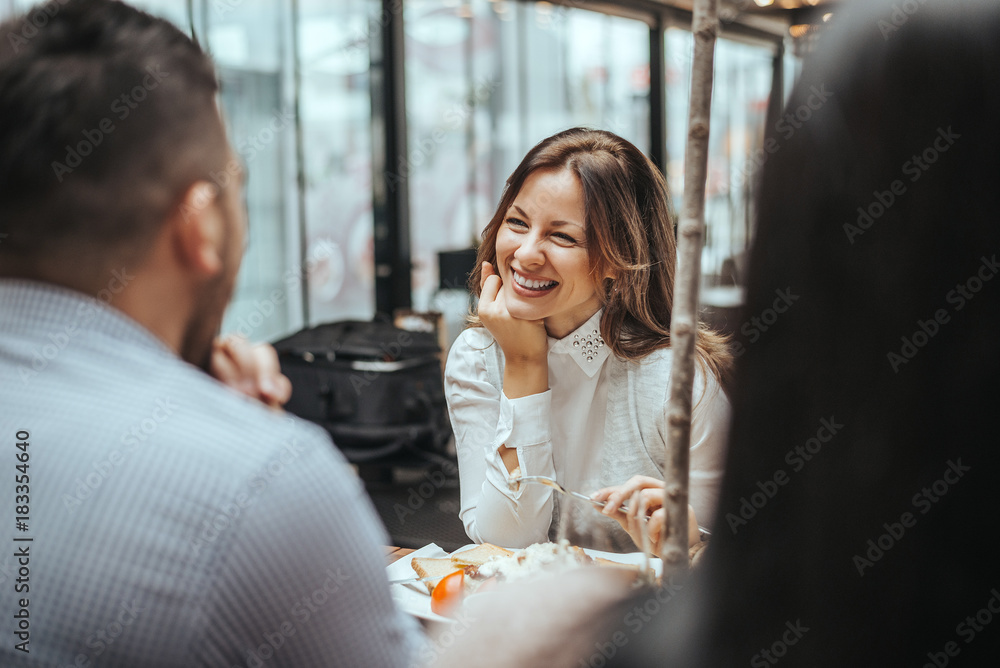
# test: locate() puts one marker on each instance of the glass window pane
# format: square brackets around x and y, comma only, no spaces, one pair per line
[585,68]
[336,126]
[485,82]
[740,95]
[255,99]
[441,98]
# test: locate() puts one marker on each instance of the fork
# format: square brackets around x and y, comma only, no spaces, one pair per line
[549,482]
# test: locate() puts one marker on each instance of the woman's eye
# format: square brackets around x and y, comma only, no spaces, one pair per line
[517,222]
[565,238]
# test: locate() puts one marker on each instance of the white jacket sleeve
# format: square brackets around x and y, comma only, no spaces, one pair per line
[709,437]
[483,419]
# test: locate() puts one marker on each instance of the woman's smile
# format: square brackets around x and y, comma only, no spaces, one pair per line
[532,287]
[542,253]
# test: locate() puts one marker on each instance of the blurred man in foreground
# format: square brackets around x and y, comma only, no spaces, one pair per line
[162,518]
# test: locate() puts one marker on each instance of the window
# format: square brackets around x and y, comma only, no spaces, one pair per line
[247,40]
[488,80]
[333,39]
[485,81]
[740,95]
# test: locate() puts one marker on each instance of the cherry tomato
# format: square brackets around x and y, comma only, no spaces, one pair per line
[448,593]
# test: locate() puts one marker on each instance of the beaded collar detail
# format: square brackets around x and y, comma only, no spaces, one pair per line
[584,345]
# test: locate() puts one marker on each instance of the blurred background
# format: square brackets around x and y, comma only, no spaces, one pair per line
[378,133]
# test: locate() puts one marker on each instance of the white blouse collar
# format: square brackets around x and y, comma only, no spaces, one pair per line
[584,345]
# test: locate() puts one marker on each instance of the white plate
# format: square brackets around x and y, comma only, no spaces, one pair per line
[419,605]
[408,600]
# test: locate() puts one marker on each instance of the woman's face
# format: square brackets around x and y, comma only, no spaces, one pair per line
[542,254]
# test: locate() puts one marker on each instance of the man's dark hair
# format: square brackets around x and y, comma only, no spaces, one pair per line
[108,116]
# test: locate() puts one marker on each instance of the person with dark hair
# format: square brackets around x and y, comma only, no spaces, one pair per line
[855,522]
[854,525]
[565,371]
[163,518]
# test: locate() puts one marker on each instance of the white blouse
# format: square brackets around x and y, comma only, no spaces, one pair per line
[558,433]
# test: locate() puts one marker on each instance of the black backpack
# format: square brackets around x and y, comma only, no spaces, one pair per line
[377,389]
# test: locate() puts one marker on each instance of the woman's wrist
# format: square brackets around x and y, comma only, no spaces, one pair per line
[523,378]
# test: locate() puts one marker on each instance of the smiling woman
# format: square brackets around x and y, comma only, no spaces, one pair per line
[542,254]
[574,281]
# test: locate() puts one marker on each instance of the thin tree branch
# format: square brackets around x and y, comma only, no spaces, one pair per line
[684,319]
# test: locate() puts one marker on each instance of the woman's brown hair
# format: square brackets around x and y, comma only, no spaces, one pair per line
[630,234]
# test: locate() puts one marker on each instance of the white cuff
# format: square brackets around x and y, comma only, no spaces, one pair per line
[524,421]
[524,426]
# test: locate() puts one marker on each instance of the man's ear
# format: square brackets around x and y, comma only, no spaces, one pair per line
[198,229]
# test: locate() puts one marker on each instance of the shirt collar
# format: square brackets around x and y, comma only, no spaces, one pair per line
[30,306]
[584,344]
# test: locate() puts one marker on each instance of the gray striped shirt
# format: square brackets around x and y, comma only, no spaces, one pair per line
[174,522]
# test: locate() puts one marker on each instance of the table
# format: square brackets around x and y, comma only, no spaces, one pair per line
[393,553]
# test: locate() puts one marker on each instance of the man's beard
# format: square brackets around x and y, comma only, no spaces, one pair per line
[205,323]
[206,319]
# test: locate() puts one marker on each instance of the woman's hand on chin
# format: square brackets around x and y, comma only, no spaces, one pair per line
[520,340]
[524,344]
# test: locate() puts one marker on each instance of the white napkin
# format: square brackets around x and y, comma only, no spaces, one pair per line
[408,600]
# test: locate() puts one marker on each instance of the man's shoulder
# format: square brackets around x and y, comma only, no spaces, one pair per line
[236,424]
[206,423]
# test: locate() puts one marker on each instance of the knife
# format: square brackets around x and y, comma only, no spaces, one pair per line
[424,579]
